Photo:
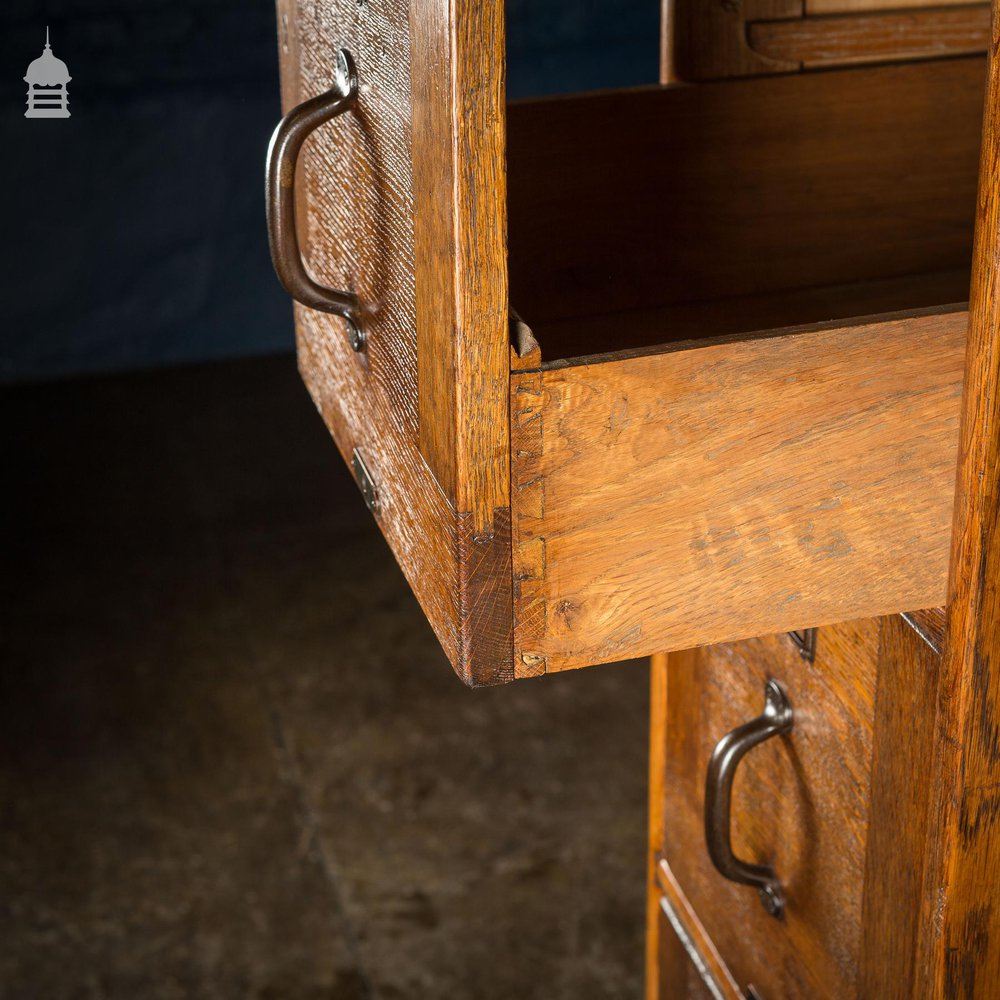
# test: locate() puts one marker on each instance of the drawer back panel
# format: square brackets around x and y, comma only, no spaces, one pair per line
[627,200]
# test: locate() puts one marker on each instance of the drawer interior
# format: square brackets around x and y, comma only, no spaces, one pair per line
[643,217]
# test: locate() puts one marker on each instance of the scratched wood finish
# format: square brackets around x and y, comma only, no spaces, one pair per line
[740,189]
[929,624]
[800,803]
[702,40]
[403,199]
[960,949]
[361,181]
[902,35]
[733,488]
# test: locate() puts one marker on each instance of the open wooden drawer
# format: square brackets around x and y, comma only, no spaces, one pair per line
[727,404]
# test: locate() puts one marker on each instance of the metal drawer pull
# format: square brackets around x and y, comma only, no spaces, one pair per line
[282,155]
[729,751]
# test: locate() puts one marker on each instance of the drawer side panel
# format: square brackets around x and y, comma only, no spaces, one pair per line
[717,492]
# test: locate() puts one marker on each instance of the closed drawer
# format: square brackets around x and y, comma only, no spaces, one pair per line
[727,401]
[830,806]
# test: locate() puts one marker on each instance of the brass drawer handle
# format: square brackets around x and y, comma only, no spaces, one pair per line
[282,155]
[775,720]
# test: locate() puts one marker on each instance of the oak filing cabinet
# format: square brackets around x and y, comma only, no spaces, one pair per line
[677,371]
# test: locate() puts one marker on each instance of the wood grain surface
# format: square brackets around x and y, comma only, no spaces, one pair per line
[706,40]
[740,189]
[734,488]
[815,42]
[960,954]
[800,803]
[361,182]
[656,939]
[460,221]
[878,6]
[903,743]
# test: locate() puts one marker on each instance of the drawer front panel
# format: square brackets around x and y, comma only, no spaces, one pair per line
[800,804]
[401,201]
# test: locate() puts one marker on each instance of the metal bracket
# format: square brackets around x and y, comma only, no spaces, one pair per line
[365,482]
[805,639]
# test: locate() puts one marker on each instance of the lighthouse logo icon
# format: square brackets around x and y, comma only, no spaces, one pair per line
[47,79]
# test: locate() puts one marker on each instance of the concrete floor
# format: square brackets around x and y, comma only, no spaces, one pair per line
[234,761]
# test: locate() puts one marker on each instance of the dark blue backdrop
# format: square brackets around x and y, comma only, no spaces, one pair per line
[133,233]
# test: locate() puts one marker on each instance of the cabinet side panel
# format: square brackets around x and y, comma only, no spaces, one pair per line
[961,915]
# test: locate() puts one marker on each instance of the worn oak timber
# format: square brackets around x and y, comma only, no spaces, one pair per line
[445,514]
[458,61]
[656,940]
[706,39]
[877,6]
[815,42]
[840,807]
[712,40]
[667,44]
[527,419]
[903,743]
[670,972]
[960,953]
[741,188]
[733,488]
[800,803]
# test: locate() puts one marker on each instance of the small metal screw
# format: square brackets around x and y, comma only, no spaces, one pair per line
[355,336]
[344,72]
[772,900]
